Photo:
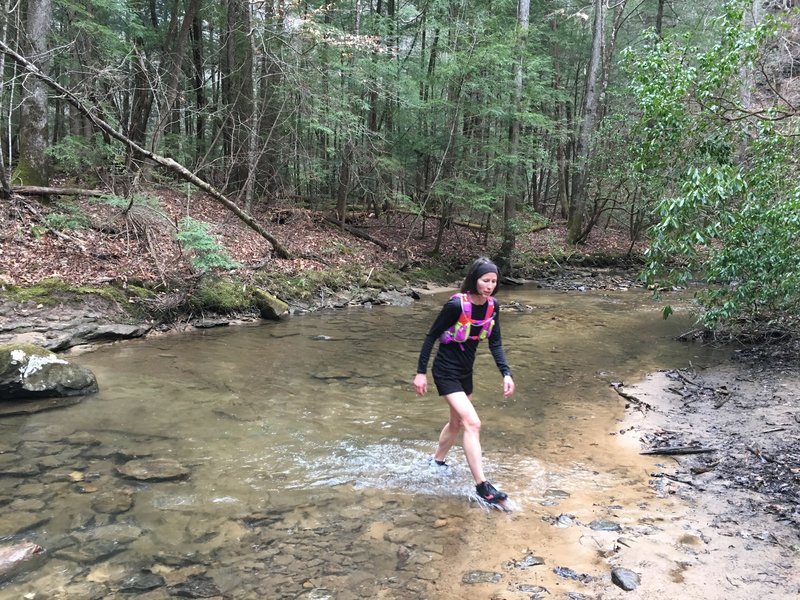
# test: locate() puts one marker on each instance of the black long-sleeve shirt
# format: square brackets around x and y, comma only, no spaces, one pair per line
[457,359]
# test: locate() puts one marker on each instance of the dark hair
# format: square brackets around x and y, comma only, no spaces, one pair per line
[479,267]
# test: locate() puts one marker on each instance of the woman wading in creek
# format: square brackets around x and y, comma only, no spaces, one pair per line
[465,320]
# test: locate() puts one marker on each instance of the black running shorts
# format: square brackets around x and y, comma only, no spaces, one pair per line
[449,385]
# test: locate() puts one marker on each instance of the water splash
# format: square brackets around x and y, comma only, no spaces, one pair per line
[406,467]
[403,467]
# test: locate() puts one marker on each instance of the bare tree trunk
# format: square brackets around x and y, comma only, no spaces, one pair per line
[252,134]
[33,166]
[199,85]
[141,98]
[174,58]
[237,90]
[344,181]
[580,175]
[6,189]
[751,19]
[511,199]
[273,103]
[660,17]
[142,94]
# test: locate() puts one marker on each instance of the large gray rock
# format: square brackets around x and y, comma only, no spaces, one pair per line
[30,372]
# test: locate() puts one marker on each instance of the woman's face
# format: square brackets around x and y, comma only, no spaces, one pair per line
[486,284]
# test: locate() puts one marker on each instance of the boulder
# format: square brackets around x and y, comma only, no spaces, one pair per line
[268,305]
[29,372]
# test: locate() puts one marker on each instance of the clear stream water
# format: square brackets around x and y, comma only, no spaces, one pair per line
[308,452]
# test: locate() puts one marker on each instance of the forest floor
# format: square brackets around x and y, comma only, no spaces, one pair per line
[746,410]
[90,242]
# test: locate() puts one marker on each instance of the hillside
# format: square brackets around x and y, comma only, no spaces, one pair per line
[86,241]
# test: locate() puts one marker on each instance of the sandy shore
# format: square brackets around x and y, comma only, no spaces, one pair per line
[738,502]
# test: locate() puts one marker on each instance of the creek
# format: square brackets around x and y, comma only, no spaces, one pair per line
[308,455]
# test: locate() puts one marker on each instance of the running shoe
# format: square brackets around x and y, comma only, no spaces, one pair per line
[488,493]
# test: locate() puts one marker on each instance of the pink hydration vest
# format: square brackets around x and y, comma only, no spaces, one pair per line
[460,332]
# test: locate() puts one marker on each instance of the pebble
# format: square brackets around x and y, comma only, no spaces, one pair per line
[625,578]
[472,577]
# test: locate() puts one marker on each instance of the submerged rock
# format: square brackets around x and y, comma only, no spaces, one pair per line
[153,469]
[113,502]
[28,372]
[11,556]
[142,581]
[529,560]
[568,573]
[604,525]
[553,493]
[195,586]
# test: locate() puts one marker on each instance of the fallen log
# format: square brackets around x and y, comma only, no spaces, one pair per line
[355,232]
[38,190]
[678,450]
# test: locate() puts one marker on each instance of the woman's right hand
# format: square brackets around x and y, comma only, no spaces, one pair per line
[421,384]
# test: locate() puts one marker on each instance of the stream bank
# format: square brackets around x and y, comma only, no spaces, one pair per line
[726,448]
[72,317]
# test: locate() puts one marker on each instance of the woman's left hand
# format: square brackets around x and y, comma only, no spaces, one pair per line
[508,386]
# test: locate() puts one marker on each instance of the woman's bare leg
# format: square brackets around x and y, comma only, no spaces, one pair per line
[448,435]
[463,416]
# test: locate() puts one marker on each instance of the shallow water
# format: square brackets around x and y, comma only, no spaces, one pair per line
[308,452]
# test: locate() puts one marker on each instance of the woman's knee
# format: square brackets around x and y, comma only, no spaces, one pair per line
[456,424]
[471,424]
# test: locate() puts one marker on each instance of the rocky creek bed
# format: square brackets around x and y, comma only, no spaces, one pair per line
[731,463]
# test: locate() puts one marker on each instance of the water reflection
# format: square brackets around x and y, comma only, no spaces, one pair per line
[309,453]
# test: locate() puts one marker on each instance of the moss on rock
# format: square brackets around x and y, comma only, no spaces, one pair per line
[269,307]
[225,296]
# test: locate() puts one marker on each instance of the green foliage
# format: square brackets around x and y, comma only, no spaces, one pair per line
[732,217]
[205,250]
[529,221]
[755,267]
[135,200]
[311,284]
[52,291]
[440,272]
[101,22]
[336,248]
[79,158]
[68,217]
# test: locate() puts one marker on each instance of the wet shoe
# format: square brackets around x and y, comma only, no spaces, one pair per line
[488,493]
[439,463]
